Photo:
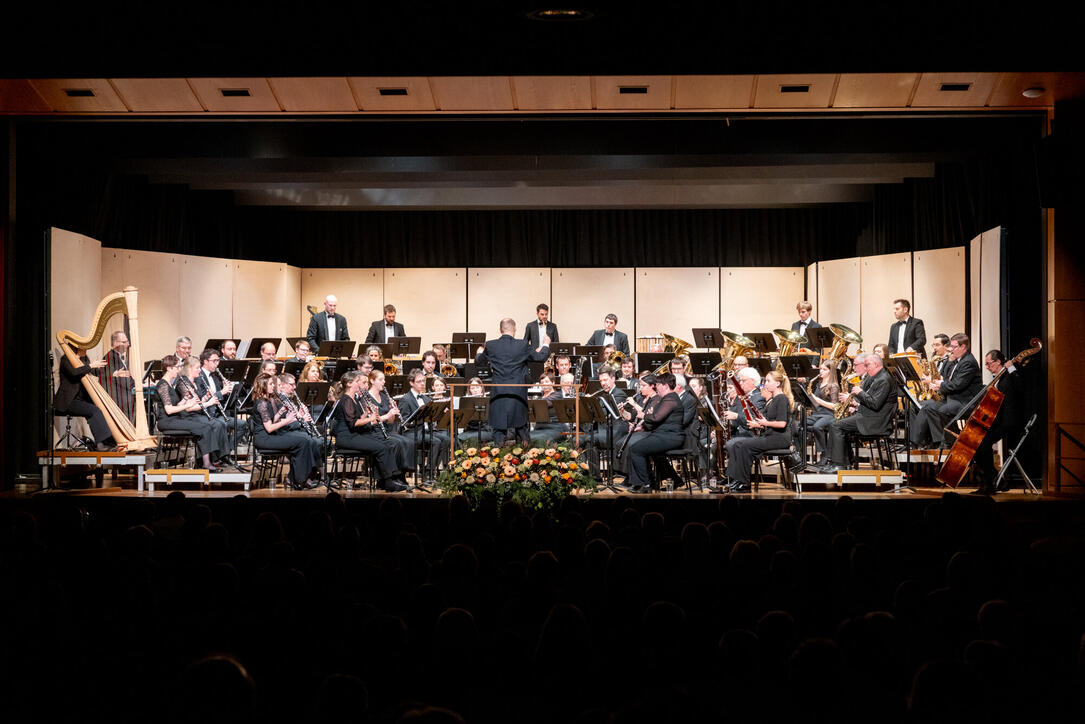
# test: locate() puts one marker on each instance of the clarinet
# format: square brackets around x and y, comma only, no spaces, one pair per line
[372,410]
[306,425]
[190,391]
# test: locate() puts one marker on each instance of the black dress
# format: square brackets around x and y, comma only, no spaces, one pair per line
[306,453]
[404,445]
[213,441]
[822,417]
[664,427]
[349,437]
[741,451]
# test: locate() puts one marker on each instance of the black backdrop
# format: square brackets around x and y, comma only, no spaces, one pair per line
[64,178]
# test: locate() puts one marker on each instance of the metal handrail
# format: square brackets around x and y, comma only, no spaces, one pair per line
[1060,432]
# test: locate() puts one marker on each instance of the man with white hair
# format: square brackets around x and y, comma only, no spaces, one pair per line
[327,325]
[873,416]
[749,380]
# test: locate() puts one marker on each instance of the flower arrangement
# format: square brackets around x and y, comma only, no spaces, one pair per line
[537,478]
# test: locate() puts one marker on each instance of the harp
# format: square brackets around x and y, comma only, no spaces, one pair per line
[128,436]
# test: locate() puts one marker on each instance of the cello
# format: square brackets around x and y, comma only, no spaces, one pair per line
[979,423]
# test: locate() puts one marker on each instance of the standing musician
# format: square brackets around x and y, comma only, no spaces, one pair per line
[71,398]
[663,424]
[961,381]
[773,424]
[179,409]
[382,330]
[535,331]
[907,334]
[327,325]
[389,411]
[804,309]
[609,335]
[475,429]
[415,398]
[1007,425]
[750,379]
[276,428]
[873,416]
[508,358]
[355,428]
[825,395]
[116,378]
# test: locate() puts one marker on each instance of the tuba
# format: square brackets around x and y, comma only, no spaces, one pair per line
[738,345]
[789,341]
[843,338]
[677,347]
[127,436]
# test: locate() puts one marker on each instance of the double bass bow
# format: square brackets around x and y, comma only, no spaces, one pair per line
[979,423]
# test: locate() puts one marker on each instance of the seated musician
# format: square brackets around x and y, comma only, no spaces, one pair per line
[603,360]
[288,389]
[629,372]
[178,408]
[376,356]
[229,349]
[356,428]
[734,412]
[211,385]
[961,381]
[275,427]
[364,364]
[476,431]
[825,395]
[431,367]
[548,432]
[268,351]
[882,350]
[563,365]
[392,418]
[269,367]
[642,403]
[874,410]
[439,390]
[663,427]
[698,435]
[568,385]
[313,371]
[182,348]
[773,427]
[71,398]
[1007,426]
[116,378]
[608,436]
[302,352]
[437,440]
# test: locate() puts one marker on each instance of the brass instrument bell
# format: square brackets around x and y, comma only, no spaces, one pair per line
[738,345]
[789,341]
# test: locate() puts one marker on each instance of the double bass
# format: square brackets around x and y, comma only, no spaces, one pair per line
[979,424]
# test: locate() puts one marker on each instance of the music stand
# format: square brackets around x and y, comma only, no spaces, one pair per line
[820,337]
[153,370]
[404,346]
[293,342]
[469,338]
[461,350]
[605,404]
[337,348]
[559,348]
[710,417]
[761,364]
[649,361]
[800,365]
[701,363]
[217,343]
[764,342]
[396,384]
[293,367]
[234,370]
[410,364]
[473,409]
[592,351]
[709,338]
[257,342]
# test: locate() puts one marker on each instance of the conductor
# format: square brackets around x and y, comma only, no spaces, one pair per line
[508,358]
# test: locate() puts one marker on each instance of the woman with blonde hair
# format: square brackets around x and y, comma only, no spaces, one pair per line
[771,432]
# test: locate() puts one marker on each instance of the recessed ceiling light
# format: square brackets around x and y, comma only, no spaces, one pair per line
[1034,92]
[559,14]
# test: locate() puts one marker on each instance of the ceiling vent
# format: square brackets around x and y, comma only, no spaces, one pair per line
[801,88]
[235,92]
[633,89]
[955,87]
[79,92]
[392,91]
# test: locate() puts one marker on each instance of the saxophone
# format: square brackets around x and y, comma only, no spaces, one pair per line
[843,408]
[932,371]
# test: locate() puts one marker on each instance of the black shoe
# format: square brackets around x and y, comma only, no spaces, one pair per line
[393,486]
[640,489]
[985,490]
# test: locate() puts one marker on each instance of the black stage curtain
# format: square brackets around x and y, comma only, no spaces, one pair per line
[963,199]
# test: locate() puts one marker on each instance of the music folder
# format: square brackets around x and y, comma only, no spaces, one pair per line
[293,368]
[312,393]
[337,348]
[820,337]
[701,363]
[469,338]
[800,365]
[765,342]
[559,348]
[649,361]
[404,345]
[462,350]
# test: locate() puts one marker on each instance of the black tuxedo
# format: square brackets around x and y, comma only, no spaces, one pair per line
[318,330]
[915,336]
[810,324]
[437,440]
[961,381]
[508,360]
[1007,426]
[621,340]
[376,332]
[874,417]
[689,409]
[531,334]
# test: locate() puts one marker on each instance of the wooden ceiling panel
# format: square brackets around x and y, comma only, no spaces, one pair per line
[325,95]
[100,96]
[552,93]
[976,88]
[259,98]
[158,95]
[713,91]
[18,96]
[874,90]
[632,92]
[479,93]
[411,94]
[1009,87]
[784,91]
